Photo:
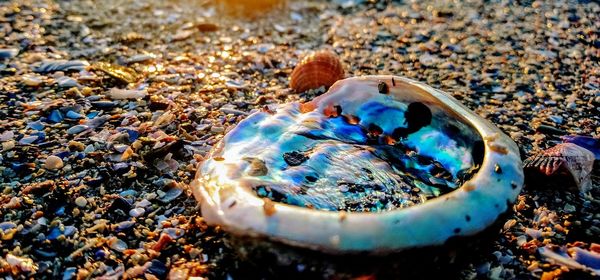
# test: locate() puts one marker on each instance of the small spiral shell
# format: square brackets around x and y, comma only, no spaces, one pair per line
[321,68]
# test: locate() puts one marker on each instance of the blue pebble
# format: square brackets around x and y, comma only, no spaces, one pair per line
[60,211]
[92,114]
[100,254]
[125,225]
[128,193]
[17,167]
[74,115]
[69,273]
[56,116]
[37,125]
[54,233]
[77,129]
[158,268]
[7,225]
[133,135]
[104,104]
[41,136]
[556,119]
[70,230]
[63,154]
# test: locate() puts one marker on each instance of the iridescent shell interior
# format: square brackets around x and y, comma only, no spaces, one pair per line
[360,148]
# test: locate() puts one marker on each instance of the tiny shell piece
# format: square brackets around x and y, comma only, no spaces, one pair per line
[121,73]
[322,68]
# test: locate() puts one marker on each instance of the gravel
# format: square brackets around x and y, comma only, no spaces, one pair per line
[106,107]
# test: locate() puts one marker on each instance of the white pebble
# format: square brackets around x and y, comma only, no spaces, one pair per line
[116,93]
[81,201]
[136,212]
[32,81]
[53,163]
[7,135]
[8,145]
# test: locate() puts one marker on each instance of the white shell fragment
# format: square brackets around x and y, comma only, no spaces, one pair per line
[377,164]
[565,164]
[117,93]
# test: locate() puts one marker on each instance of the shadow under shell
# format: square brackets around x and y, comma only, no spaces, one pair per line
[252,258]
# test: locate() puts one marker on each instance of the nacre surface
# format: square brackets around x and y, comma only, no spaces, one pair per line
[378,164]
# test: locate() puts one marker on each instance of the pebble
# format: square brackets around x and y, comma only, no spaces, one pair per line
[74,115]
[116,93]
[171,194]
[37,125]
[545,129]
[136,212]
[53,163]
[8,53]
[518,64]
[61,65]
[21,263]
[140,58]
[77,129]
[4,226]
[428,60]
[32,81]
[104,104]
[56,116]
[117,244]
[8,145]
[67,82]
[28,140]
[81,202]
[556,119]
[143,203]
[217,129]
[7,135]
[182,35]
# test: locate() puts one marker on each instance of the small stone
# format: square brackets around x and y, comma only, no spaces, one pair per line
[76,146]
[32,81]
[7,135]
[8,53]
[53,163]
[545,129]
[171,194]
[117,244]
[118,94]
[74,115]
[428,60]
[136,212]
[66,82]
[28,140]
[569,208]
[207,27]
[182,35]
[8,145]
[121,73]
[556,119]
[77,129]
[81,201]
[217,129]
